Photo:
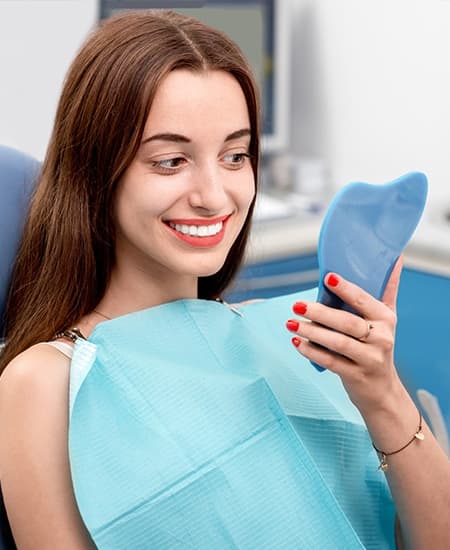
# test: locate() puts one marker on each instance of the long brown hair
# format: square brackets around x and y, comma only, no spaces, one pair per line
[67,251]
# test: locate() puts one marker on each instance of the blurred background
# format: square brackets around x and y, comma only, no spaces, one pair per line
[353,90]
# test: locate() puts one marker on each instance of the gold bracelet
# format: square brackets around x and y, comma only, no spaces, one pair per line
[383,454]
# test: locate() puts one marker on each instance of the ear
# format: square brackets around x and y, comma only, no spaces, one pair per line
[391,290]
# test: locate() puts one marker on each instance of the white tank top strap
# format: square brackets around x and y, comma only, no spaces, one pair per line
[63,347]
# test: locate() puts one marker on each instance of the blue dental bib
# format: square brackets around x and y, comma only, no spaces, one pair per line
[194,427]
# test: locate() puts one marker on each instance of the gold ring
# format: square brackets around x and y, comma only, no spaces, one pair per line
[364,337]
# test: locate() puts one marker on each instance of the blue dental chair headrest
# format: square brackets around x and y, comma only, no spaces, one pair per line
[18,175]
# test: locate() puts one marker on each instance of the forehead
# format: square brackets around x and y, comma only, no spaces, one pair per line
[198,101]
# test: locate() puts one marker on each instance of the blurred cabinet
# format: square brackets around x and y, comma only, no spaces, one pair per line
[422,353]
[282,254]
[275,277]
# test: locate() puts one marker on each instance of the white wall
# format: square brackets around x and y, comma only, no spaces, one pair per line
[38,39]
[373,79]
[370,82]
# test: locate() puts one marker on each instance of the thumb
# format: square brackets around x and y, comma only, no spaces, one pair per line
[391,290]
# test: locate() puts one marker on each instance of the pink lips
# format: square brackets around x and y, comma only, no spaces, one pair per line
[199,242]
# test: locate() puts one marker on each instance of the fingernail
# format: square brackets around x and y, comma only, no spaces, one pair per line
[292,325]
[296,341]
[333,280]
[299,308]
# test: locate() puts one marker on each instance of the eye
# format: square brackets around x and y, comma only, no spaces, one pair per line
[168,166]
[235,160]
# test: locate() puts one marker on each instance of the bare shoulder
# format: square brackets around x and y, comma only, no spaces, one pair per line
[40,367]
[33,392]
[36,379]
[34,462]
[38,356]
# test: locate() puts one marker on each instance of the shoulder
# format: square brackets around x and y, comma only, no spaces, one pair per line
[34,391]
[35,373]
[34,419]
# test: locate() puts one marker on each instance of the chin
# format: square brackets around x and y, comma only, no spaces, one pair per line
[207,272]
[208,268]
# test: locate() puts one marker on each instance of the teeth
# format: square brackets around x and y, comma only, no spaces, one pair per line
[213,229]
[198,230]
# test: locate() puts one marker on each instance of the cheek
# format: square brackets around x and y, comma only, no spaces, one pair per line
[129,209]
[142,201]
[246,192]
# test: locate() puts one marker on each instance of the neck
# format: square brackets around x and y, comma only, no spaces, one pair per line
[128,292]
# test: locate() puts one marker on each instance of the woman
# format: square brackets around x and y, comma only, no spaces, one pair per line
[138,225]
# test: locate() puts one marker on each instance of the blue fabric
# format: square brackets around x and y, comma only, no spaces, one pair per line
[194,427]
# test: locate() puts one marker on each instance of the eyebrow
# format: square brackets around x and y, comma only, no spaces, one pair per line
[178,138]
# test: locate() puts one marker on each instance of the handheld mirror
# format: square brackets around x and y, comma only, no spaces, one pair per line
[364,231]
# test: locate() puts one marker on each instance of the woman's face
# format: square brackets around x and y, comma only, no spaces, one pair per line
[185,197]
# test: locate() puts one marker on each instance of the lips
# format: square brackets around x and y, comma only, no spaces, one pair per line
[198,232]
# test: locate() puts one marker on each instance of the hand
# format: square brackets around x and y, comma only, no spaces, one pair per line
[359,349]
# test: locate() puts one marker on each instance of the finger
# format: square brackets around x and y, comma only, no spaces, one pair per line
[337,342]
[336,319]
[325,358]
[354,296]
[391,290]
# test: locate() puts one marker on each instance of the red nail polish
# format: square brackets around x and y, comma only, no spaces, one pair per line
[296,341]
[292,325]
[299,308]
[333,280]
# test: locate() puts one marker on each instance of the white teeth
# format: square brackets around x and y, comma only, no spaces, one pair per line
[210,230]
[198,230]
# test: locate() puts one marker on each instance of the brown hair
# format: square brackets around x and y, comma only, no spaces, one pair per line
[67,252]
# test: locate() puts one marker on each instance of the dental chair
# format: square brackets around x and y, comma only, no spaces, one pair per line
[422,348]
[18,174]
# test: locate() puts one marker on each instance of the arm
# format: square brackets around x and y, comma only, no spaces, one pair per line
[34,462]
[418,476]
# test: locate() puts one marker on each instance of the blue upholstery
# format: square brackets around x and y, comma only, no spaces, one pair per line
[18,173]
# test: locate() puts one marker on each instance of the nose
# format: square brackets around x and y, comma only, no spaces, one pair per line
[208,191]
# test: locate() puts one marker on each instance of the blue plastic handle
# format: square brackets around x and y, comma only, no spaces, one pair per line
[364,232]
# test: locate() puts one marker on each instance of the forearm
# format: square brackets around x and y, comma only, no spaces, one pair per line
[418,476]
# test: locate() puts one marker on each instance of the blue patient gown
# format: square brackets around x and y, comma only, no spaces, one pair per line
[192,427]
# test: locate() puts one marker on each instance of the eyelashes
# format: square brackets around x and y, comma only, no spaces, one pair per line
[169,166]
[236,160]
[173,165]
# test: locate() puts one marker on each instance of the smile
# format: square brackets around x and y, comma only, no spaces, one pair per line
[198,230]
[198,233]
